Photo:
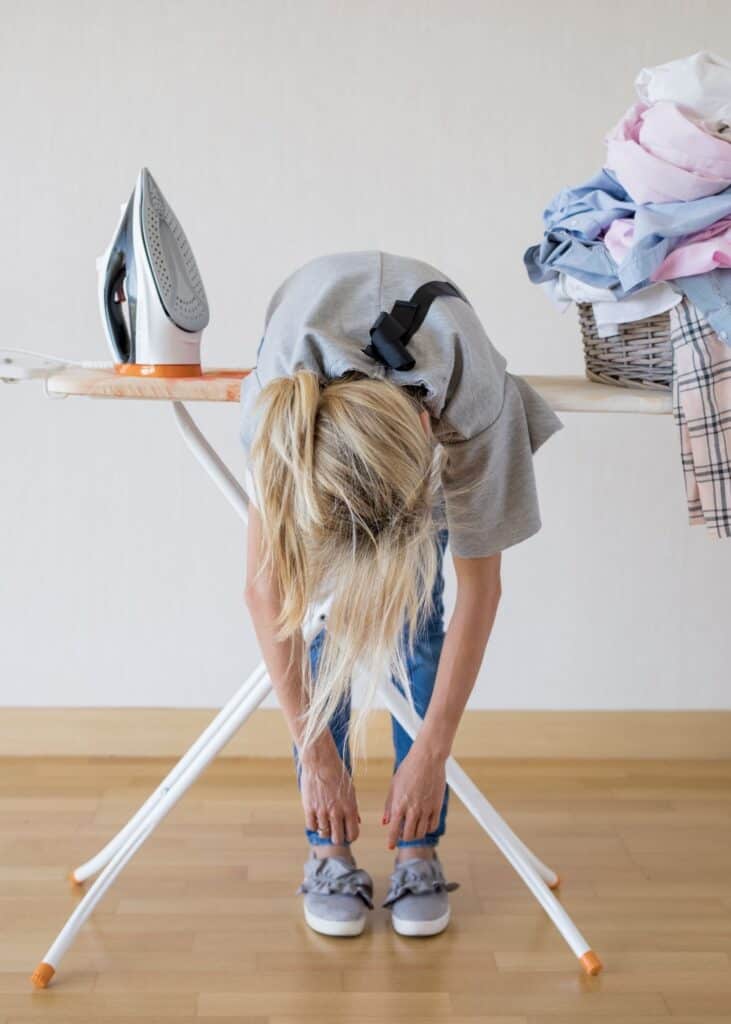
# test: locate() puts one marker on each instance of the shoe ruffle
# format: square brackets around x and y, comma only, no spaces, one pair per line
[414,878]
[333,875]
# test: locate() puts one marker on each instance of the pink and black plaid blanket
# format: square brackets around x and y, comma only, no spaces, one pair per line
[702,412]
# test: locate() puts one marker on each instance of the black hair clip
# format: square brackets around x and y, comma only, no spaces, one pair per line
[392,332]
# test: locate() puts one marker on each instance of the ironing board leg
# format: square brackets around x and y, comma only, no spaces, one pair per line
[535,874]
[137,836]
[96,863]
[197,752]
[209,459]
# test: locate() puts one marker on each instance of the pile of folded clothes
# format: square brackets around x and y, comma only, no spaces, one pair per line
[650,233]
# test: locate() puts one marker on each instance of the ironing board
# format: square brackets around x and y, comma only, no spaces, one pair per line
[565,394]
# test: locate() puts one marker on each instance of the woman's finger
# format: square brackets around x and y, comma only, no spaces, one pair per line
[352,828]
[421,827]
[310,819]
[323,824]
[337,828]
[412,819]
[386,820]
[394,827]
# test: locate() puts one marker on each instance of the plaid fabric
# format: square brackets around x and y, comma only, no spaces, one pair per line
[702,412]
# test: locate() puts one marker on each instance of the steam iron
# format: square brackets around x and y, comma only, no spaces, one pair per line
[151,297]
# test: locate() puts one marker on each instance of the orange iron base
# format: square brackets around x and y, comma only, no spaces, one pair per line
[158,369]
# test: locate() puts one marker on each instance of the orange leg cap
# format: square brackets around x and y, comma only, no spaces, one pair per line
[42,975]
[591,962]
[556,884]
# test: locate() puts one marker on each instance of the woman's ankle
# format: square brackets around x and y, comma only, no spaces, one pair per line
[331,850]
[424,851]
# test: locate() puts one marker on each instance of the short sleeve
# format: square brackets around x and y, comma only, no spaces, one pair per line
[488,480]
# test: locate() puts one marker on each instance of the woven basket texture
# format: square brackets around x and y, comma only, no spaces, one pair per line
[640,355]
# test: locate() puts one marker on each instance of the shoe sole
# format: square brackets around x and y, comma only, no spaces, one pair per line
[337,928]
[420,928]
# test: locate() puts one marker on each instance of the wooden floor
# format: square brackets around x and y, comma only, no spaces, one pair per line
[204,925]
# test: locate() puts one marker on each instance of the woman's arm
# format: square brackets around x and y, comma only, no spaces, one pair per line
[264,605]
[478,596]
[328,796]
[417,789]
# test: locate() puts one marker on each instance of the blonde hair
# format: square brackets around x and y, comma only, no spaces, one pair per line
[346,478]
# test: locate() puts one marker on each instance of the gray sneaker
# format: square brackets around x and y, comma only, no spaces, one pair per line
[418,897]
[337,894]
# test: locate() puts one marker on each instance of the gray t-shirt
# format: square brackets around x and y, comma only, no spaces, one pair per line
[489,421]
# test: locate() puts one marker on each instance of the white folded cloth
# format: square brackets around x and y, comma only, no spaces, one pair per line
[609,311]
[701,83]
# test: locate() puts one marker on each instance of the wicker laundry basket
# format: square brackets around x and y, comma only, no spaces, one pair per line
[640,355]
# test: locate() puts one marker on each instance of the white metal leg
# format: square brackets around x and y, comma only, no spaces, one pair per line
[96,863]
[119,851]
[208,458]
[527,865]
[197,752]
[136,837]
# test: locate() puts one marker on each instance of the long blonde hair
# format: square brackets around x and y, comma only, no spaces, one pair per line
[346,479]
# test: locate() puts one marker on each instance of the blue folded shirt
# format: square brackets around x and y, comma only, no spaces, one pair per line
[576,217]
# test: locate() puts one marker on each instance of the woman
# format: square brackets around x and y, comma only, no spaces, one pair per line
[380,422]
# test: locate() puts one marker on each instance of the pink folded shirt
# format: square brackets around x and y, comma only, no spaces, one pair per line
[660,155]
[619,238]
[697,254]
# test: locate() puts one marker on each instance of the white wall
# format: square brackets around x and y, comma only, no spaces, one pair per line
[281,130]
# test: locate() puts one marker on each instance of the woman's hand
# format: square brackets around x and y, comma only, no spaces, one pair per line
[415,798]
[328,794]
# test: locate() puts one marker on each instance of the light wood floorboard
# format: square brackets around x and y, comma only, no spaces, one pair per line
[204,925]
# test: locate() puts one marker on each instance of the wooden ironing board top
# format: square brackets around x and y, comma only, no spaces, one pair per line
[564,394]
[216,385]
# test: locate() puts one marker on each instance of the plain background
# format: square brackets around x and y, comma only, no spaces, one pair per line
[279,131]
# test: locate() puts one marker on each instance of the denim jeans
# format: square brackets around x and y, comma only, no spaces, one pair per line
[422,670]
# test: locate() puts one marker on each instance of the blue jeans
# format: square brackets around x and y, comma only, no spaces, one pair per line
[422,671]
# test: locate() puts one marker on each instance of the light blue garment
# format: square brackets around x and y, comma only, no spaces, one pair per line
[587,210]
[660,227]
[576,217]
[562,252]
[711,294]
[573,220]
